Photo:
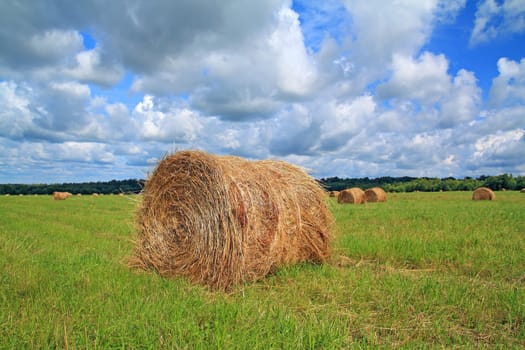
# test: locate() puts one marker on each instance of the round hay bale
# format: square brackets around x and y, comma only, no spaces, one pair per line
[375,194]
[522,190]
[334,193]
[61,195]
[353,195]
[221,221]
[483,193]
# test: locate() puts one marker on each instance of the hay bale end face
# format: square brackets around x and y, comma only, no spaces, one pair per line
[353,195]
[483,193]
[221,221]
[375,194]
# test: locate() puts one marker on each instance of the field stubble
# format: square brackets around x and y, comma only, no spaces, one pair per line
[422,270]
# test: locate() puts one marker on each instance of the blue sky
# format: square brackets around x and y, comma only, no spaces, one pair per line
[94,92]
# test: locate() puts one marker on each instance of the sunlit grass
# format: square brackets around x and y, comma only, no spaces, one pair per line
[421,270]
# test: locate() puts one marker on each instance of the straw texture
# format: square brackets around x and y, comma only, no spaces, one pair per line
[220,221]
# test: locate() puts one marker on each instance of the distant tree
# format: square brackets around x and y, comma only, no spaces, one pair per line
[497,183]
[520,182]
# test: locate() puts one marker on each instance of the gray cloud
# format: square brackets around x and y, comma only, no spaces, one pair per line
[295,131]
[500,150]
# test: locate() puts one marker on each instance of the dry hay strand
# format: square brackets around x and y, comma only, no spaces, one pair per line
[375,194]
[353,195]
[222,221]
[61,195]
[334,193]
[483,193]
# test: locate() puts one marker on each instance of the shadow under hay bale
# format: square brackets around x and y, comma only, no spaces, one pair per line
[483,193]
[353,195]
[375,194]
[220,221]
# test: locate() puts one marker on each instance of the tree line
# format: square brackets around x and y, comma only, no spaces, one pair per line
[103,187]
[426,184]
[389,184]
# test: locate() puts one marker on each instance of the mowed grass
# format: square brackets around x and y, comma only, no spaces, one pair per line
[423,270]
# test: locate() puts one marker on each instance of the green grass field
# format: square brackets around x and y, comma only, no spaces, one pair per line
[423,270]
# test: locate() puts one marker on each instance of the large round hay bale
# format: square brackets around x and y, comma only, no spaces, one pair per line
[483,193]
[375,194]
[225,220]
[353,195]
[61,195]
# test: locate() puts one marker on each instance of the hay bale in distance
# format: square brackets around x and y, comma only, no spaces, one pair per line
[353,195]
[375,194]
[522,190]
[221,221]
[61,195]
[483,193]
[334,193]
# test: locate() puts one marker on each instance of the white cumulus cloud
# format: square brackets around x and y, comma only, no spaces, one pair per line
[495,19]
[172,125]
[508,88]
